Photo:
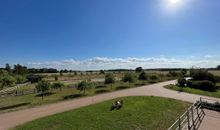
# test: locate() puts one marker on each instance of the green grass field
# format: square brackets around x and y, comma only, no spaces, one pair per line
[195,91]
[11,103]
[137,113]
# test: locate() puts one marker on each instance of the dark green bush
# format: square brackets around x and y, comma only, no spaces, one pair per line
[182,82]
[204,85]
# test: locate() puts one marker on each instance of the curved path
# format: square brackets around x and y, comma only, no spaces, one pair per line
[12,119]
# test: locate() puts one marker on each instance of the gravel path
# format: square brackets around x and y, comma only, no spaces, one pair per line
[12,119]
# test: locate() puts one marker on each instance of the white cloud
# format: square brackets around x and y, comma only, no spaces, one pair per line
[98,63]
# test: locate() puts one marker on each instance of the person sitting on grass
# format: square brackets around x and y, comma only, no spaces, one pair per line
[116,105]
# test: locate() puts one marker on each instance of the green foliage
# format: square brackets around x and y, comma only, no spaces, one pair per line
[173,74]
[182,82]
[20,79]
[83,85]
[143,76]
[129,77]
[19,69]
[218,67]
[8,68]
[201,74]
[57,85]
[139,69]
[7,81]
[204,85]
[153,77]
[56,77]
[109,78]
[42,87]
[183,72]
[102,72]
[34,78]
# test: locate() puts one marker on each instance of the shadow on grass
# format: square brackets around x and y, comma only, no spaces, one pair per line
[139,84]
[73,96]
[44,94]
[14,106]
[101,91]
[101,86]
[121,87]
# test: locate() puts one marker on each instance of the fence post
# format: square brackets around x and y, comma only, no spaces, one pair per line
[179,124]
[197,110]
[188,120]
[192,114]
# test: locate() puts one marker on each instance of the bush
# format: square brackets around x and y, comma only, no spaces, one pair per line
[217,78]
[129,77]
[201,74]
[143,76]
[57,86]
[153,77]
[204,85]
[182,82]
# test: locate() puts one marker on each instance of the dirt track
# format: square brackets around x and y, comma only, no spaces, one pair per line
[12,119]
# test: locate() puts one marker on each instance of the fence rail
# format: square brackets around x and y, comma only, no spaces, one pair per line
[193,116]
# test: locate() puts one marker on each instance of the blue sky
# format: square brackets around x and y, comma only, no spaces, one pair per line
[48,33]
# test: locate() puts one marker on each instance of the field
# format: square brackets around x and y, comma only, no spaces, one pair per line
[137,113]
[195,91]
[11,103]
[215,72]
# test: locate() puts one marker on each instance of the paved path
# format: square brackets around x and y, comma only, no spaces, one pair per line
[211,121]
[12,119]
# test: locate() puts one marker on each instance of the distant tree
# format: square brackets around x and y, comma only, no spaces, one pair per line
[19,69]
[129,77]
[102,72]
[139,69]
[183,72]
[83,85]
[57,85]
[75,73]
[109,79]
[143,76]
[56,77]
[8,68]
[43,87]
[218,67]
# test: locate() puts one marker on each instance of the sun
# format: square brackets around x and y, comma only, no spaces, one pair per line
[174,2]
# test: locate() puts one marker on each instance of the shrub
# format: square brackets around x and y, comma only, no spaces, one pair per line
[204,85]
[201,74]
[57,86]
[109,79]
[143,76]
[42,87]
[139,69]
[153,77]
[217,78]
[129,77]
[182,82]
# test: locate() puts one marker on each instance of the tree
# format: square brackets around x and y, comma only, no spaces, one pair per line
[83,85]
[139,70]
[183,72]
[57,85]
[56,77]
[102,72]
[19,69]
[8,68]
[218,67]
[143,76]
[129,77]
[42,87]
[109,79]
[202,74]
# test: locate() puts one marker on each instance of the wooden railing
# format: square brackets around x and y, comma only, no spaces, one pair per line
[191,119]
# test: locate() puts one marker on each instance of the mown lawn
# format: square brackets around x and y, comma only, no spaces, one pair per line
[152,113]
[195,91]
